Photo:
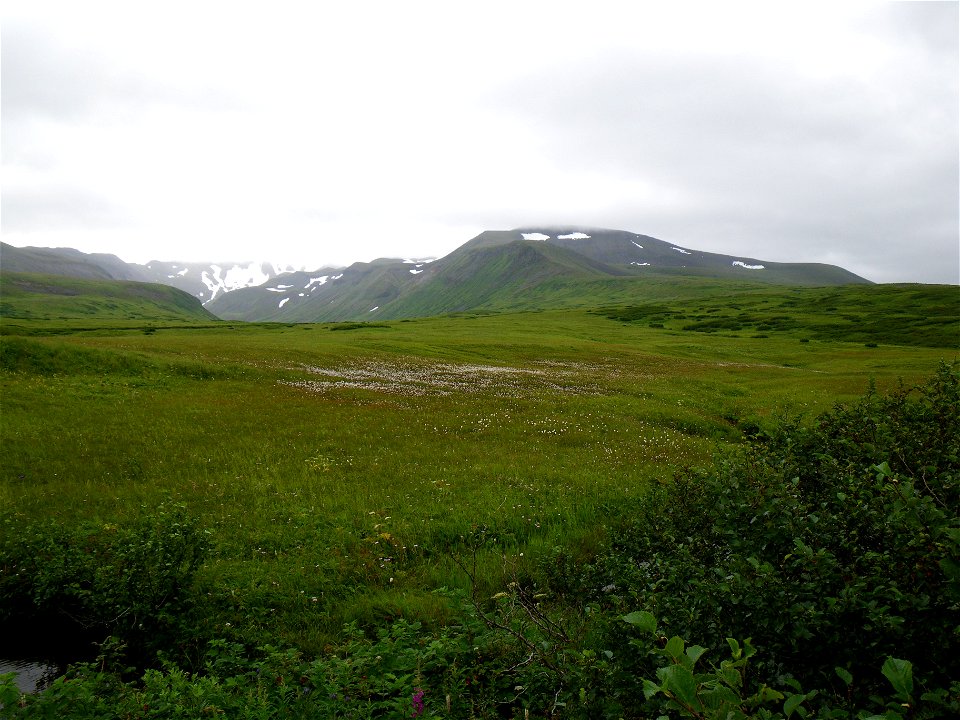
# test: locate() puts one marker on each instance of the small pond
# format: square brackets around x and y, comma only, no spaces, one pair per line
[31,675]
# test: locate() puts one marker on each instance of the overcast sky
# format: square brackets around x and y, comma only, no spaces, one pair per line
[319,133]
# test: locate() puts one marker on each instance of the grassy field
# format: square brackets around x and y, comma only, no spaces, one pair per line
[340,470]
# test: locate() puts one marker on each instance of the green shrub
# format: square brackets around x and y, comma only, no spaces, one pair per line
[833,545]
[83,583]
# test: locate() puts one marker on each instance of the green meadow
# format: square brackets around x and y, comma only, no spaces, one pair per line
[340,474]
[340,494]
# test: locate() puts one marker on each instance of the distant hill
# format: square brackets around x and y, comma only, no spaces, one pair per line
[66,261]
[32,296]
[525,268]
[484,275]
[334,294]
[209,281]
[205,281]
[618,247]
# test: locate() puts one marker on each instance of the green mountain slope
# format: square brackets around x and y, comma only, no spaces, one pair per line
[523,269]
[66,261]
[355,293]
[29,296]
[482,276]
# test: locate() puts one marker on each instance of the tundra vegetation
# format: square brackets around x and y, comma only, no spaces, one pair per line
[624,512]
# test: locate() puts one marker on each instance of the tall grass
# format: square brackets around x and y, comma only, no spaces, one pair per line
[333,502]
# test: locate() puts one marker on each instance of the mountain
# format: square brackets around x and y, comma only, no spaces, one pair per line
[32,296]
[482,274]
[209,281]
[525,268]
[205,281]
[618,247]
[65,261]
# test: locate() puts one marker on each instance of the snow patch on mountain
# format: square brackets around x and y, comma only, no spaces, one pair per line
[637,244]
[239,276]
[574,236]
[283,302]
[534,236]
[740,263]
[285,269]
[681,250]
[245,276]
[213,281]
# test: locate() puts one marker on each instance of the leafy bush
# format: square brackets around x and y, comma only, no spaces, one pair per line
[834,545]
[72,585]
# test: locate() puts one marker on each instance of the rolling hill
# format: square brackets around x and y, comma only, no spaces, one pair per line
[32,297]
[67,262]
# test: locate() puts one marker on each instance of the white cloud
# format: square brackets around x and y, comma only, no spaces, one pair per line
[327,133]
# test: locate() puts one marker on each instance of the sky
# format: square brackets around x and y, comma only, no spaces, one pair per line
[324,133]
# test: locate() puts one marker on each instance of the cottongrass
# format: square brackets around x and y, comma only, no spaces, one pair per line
[413,378]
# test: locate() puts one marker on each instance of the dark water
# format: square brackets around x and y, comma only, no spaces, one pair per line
[31,675]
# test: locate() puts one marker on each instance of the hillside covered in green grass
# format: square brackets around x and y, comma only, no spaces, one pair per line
[27,297]
[521,269]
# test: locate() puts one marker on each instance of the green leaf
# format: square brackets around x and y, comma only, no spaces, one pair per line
[950,568]
[642,620]
[674,647]
[730,676]
[679,682]
[720,695]
[883,470]
[650,688]
[844,675]
[792,703]
[900,674]
[694,652]
[768,694]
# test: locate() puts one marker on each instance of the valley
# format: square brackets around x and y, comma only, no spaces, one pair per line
[287,494]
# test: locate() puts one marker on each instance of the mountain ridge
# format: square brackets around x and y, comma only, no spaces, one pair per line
[525,267]
[34,296]
[203,280]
